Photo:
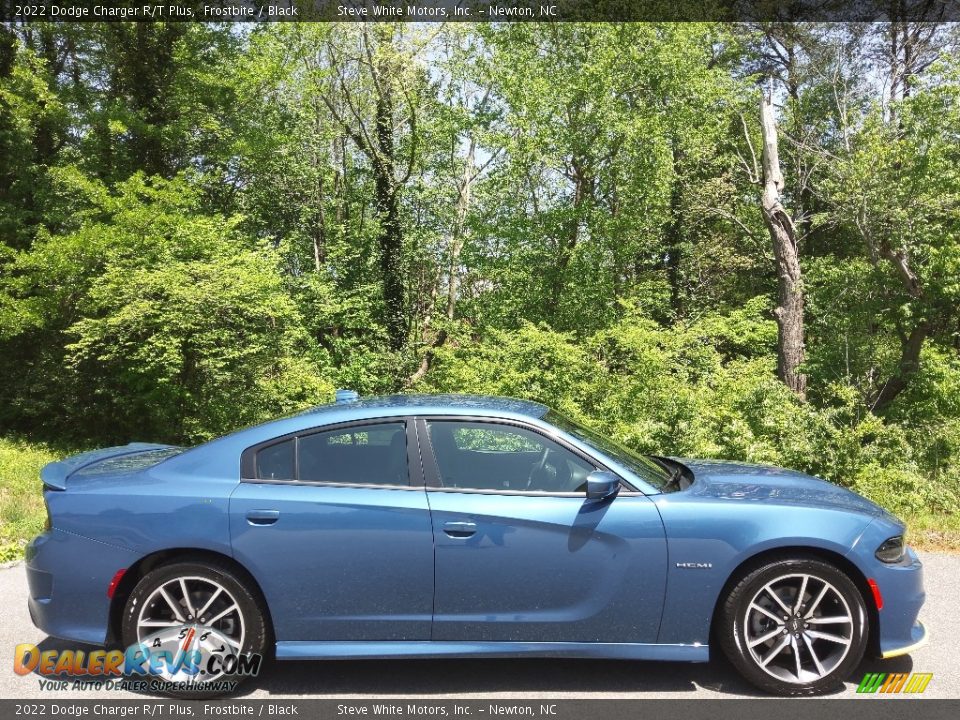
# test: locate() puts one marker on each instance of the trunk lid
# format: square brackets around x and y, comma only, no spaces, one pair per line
[123,458]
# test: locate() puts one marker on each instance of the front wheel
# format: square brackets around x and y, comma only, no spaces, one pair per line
[794,627]
[194,622]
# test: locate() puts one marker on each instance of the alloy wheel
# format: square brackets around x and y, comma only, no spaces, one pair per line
[191,619]
[798,628]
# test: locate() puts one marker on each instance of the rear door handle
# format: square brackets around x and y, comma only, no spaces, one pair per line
[262,517]
[460,529]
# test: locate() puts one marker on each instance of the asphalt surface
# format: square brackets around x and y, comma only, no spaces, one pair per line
[513,679]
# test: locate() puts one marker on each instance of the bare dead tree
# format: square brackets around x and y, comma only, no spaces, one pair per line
[789,310]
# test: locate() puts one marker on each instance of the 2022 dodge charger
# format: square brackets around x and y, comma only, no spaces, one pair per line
[441,526]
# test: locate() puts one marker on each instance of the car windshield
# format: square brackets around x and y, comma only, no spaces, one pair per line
[642,466]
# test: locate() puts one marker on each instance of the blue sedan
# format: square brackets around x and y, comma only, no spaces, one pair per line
[454,526]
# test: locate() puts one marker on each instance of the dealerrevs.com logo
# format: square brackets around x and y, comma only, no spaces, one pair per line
[142,667]
[894,683]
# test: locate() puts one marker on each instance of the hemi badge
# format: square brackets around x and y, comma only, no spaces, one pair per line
[695,566]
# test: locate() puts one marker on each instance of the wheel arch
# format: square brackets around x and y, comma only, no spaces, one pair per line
[156,559]
[792,552]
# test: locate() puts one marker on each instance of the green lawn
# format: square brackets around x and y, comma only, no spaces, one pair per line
[21,504]
[22,515]
[934,532]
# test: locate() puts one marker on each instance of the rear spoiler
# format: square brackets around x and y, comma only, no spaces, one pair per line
[54,475]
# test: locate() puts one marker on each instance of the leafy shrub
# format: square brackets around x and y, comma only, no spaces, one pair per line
[708,389]
[21,503]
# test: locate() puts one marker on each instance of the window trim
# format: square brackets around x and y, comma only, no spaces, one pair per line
[415,476]
[431,470]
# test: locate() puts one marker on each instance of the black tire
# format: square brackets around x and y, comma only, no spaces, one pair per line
[823,663]
[250,615]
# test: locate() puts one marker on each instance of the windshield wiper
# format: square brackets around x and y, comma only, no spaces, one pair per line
[675,471]
[674,480]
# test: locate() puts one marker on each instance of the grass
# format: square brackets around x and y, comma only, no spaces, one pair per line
[22,514]
[21,502]
[933,532]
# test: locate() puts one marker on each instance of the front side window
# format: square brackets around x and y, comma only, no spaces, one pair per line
[644,467]
[362,454]
[490,456]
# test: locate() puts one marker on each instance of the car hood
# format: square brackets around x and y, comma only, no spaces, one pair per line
[743,482]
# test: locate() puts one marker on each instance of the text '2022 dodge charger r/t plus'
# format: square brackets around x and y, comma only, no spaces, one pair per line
[451,526]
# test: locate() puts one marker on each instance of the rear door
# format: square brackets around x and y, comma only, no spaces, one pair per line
[336,529]
[522,555]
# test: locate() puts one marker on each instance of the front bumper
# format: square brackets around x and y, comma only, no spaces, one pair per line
[920,638]
[68,577]
[900,584]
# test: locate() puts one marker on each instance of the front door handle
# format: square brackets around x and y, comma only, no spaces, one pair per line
[460,529]
[262,517]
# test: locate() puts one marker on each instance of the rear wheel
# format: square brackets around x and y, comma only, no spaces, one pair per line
[794,627]
[194,620]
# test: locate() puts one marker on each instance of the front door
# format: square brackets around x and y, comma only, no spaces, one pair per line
[523,556]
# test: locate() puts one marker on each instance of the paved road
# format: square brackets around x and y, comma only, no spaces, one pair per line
[514,679]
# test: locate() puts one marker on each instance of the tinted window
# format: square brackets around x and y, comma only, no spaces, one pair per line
[276,461]
[487,438]
[643,466]
[129,463]
[368,454]
[488,456]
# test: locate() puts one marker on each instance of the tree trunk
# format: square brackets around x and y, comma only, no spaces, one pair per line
[319,229]
[391,233]
[582,186]
[381,149]
[910,345]
[907,367]
[913,46]
[789,310]
[319,226]
[464,192]
[674,240]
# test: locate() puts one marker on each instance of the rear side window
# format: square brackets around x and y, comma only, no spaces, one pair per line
[364,454]
[276,461]
[368,454]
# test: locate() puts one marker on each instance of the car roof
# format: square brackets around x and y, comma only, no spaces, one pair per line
[430,404]
[220,458]
[368,408]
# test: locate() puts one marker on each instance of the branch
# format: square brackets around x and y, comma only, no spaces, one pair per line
[427,360]
[753,174]
[411,159]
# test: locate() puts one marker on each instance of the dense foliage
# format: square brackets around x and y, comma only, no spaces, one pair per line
[201,227]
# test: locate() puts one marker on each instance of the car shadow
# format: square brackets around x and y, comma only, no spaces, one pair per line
[542,676]
[500,677]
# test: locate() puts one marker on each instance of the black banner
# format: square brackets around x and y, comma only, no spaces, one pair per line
[480,10]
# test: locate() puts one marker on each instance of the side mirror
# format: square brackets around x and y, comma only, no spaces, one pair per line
[602,484]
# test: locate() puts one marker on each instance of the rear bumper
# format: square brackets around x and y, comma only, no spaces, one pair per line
[68,577]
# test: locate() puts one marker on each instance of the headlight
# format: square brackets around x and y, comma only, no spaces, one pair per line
[891,551]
